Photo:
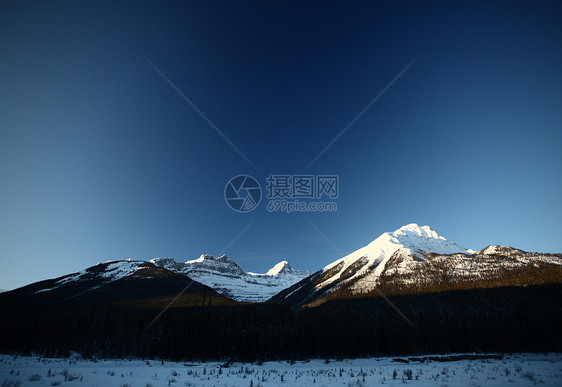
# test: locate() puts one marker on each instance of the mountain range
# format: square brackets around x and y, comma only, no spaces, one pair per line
[412,259]
[221,274]
[227,278]
[416,259]
[409,291]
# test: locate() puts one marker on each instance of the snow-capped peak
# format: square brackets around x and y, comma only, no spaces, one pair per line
[425,239]
[491,249]
[110,271]
[229,279]
[373,257]
[224,258]
[208,257]
[202,257]
[499,249]
[282,266]
[158,260]
[414,230]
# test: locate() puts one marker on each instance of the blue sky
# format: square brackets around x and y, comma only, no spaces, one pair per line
[101,159]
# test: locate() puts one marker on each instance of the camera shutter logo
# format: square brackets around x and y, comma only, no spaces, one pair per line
[242,193]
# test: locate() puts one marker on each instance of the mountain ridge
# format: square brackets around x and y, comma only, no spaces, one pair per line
[221,274]
[226,277]
[417,259]
[416,301]
[410,259]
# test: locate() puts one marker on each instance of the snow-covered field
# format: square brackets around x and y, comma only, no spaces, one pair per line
[513,370]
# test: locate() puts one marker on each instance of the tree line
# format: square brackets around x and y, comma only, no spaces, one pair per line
[202,326]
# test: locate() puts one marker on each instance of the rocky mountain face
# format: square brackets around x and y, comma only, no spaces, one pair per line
[226,277]
[136,284]
[221,274]
[416,259]
[410,260]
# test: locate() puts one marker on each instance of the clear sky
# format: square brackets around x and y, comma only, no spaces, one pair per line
[100,158]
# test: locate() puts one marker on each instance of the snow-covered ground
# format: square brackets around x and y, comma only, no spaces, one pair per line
[512,370]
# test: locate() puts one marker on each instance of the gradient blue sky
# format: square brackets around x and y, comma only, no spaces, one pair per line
[101,159]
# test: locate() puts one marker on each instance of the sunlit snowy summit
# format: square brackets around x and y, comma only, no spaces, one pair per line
[415,259]
[227,278]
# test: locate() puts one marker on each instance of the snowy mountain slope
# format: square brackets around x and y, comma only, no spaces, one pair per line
[372,258]
[409,260]
[102,273]
[227,278]
[221,274]
[134,283]
[416,259]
